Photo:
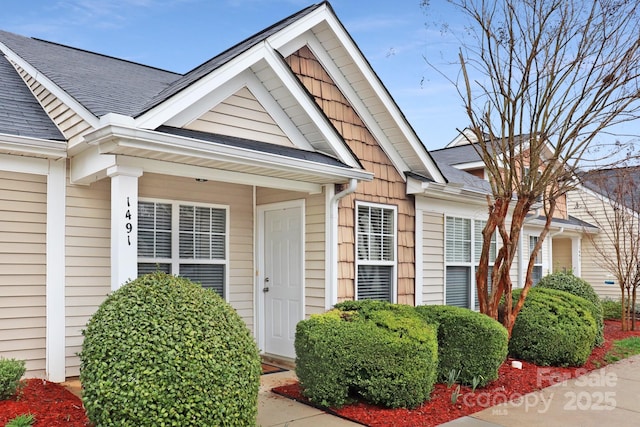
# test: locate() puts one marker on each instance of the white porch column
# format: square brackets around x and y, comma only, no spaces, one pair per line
[576,256]
[124,224]
[55,282]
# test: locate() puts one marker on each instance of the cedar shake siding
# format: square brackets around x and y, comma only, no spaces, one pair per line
[387,187]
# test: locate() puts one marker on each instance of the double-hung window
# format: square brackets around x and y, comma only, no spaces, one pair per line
[463,245]
[184,239]
[376,231]
[536,274]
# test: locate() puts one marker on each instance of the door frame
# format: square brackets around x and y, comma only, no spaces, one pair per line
[259,321]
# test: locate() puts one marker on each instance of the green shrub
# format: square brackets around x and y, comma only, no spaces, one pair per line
[11,370]
[162,350]
[611,310]
[575,285]
[386,357]
[470,343]
[553,328]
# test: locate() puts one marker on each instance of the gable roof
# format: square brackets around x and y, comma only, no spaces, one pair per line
[20,112]
[221,59]
[620,185]
[95,86]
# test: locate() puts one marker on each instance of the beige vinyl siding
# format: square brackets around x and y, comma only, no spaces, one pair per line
[23,215]
[432,258]
[70,124]
[239,198]
[241,115]
[314,243]
[88,258]
[592,270]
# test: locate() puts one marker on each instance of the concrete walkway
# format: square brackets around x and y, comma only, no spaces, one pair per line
[609,396]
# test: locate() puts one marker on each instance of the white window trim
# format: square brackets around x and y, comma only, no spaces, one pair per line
[539,261]
[472,264]
[393,264]
[175,260]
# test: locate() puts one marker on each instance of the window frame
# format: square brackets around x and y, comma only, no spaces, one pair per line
[473,260]
[175,261]
[538,262]
[393,263]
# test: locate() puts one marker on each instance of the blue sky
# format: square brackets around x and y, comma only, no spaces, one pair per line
[178,35]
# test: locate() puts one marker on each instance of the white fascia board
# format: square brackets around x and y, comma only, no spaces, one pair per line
[21,164]
[90,166]
[111,137]
[249,80]
[199,172]
[312,109]
[384,96]
[295,29]
[55,90]
[276,112]
[445,192]
[37,147]
[182,100]
[469,165]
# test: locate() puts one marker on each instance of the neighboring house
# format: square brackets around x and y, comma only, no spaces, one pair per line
[457,219]
[600,194]
[280,174]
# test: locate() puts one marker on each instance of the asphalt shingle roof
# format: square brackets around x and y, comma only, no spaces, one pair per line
[457,155]
[102,84]
[20,112]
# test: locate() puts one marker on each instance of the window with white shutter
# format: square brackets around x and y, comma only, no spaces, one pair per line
[184,239]
[376,232]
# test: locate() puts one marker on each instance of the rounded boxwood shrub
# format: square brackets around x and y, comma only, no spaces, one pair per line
[577,286]
[387,357]
[162,350]
[611,310]
[470,344]
[553,328]
[11,370]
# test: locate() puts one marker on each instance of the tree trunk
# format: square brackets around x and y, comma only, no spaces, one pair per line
[633,309]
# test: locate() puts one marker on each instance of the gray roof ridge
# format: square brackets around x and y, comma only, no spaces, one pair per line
[90,52]
[224,57]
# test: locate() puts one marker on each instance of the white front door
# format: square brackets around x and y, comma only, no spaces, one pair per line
[283,277]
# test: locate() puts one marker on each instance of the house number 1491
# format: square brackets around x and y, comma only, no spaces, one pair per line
[128,224]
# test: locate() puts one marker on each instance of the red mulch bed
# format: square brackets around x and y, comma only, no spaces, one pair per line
[50,403]
[511,384]
[53,405]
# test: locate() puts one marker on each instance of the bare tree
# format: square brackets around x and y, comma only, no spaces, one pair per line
[539,81]
[617,214]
